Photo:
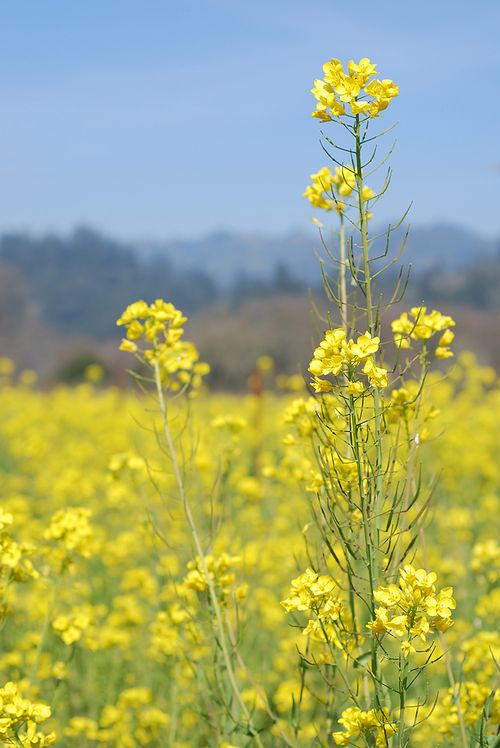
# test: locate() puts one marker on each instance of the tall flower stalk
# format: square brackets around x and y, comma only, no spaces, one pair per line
[370,503]
[369,615]
[154,333]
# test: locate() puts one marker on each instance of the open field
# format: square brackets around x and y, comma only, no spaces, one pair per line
[106,620]
[312,562]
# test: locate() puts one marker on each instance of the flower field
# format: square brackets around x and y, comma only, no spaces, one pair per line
[316,563]
[105,618]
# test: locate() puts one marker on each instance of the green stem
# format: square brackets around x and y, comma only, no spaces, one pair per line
[403,665]
[376,509]
[222,639]
[375,666]
[456,691]
[342,275]
[43,635]
[411,458]
[174,709]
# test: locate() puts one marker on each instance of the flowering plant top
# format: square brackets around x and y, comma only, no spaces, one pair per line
[358,88]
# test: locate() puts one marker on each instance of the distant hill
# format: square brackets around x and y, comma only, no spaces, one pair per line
[78,284]
[245,294]
[228,255]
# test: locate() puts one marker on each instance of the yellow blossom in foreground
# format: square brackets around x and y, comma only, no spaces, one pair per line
[20,717]
[154,333]
[312,591]
[413,607]
[418,324]
[373,725]
[328,188]
[357,88]
[319,595]
[336,354]
[317,192]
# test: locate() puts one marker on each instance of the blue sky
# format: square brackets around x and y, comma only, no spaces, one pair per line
[176,118]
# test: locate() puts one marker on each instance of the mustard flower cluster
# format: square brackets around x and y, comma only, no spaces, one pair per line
[133,720]
[173,632]
[329,187]
[159,328]
[486,561]
[357,87]
[405,406]
[373,725]
[403,402]
[474,700]
[70,628]
[299,414]
[127,462]
[15,564]
[318,594]
[71,526]
[316,193]
[134,715]
[71,530]
[421,325]
[20,717]
[482,652]
[336,354]
[221,572]
[412,608]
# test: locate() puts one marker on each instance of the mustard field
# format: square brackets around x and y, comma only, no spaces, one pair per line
[314,564]
[107,633]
